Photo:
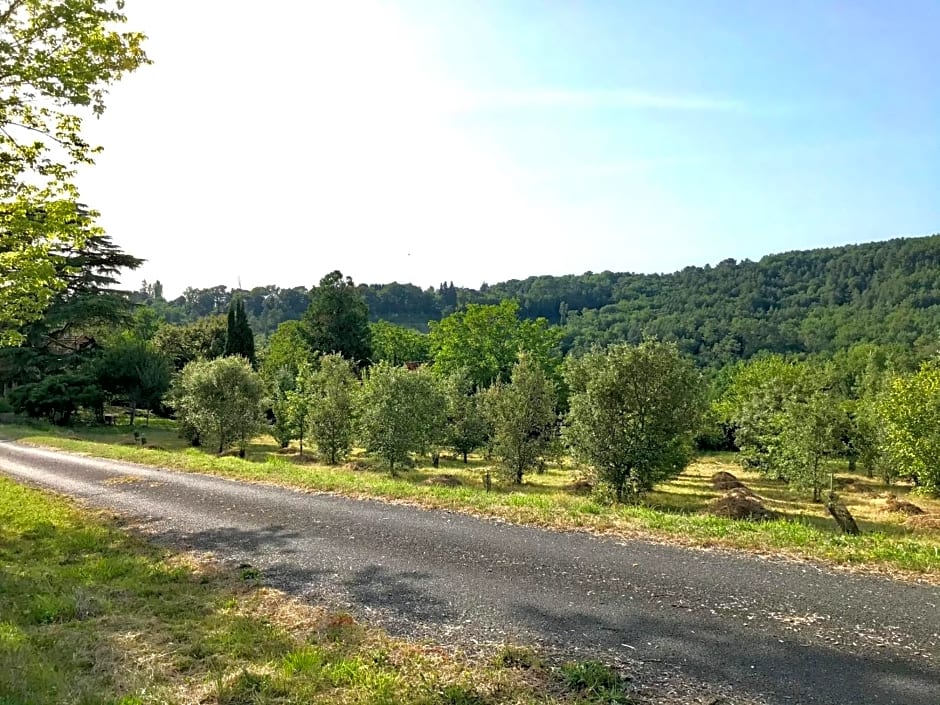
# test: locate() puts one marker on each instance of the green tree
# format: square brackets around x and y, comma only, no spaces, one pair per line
[337,320]
[401,412]
[134,369]
[221,400]
[521,417]
[286,350]
[634,411]
[332,412]
[57,62]
[466,424]
[202,340]
[910,410]
[398,345]
[811,433]
[485,342]
[239,338]
[59,396]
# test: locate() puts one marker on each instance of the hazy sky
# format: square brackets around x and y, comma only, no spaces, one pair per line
[430,140]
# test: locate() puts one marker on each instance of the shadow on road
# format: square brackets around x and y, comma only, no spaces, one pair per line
[766,664]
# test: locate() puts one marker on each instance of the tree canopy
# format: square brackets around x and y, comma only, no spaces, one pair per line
[57,61]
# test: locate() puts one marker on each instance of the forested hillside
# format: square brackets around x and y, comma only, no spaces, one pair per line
[815,301]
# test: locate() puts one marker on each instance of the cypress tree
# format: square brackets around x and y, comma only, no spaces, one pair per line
[239,338]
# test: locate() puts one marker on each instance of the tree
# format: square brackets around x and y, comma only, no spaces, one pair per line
[337,320]
[221,400]
[286,350]
[485,341]
[398,345]
[134,369]
[331,400]
[202,340]
[239,339]
[58,397]
[521,416]
[911,414]
[811,431]
[466,425]
[402,411]
[634,410]
[57,62]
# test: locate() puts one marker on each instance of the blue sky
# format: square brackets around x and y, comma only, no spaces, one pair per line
[478,141]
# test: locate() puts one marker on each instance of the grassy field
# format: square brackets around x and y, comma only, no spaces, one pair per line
[676,511]
[91,614]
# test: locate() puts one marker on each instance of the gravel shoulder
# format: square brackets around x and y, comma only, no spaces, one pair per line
[712,626]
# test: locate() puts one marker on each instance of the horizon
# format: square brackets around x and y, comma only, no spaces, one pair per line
[413,142]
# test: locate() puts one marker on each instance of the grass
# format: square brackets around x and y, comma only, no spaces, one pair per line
[90,614]
[675,511]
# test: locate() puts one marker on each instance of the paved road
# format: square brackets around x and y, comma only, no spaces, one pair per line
[743,627]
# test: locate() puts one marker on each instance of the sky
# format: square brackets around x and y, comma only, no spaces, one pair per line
[483,140]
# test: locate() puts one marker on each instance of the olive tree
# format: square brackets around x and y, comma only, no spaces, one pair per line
[221,400]
[466,424]
[521,416]
[402,411]
[633,413]
[329,407]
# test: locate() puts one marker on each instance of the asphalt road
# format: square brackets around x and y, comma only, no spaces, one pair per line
[729,626]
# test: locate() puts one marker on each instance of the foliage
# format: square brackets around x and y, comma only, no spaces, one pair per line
[337,320]
[911,413]
[811,432]
[58,59]
[466,423]
[521,416]
[753,404]
[286,350]
[57,397]
[134,369]
[239,339]
[221,399]
[332,407]
[485,341]
[633,412]
[402,412]
[202,340]
[398,345]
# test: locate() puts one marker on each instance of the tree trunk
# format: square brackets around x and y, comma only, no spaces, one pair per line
[133,412]
[518,479]
[465,457]
[852,463]
[301,445]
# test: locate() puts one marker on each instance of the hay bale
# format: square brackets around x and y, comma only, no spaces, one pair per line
[444,480]
[725,481]
[900,506]
[740,503]
[924,522]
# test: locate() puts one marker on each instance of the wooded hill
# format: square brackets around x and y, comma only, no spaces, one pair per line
[813,301]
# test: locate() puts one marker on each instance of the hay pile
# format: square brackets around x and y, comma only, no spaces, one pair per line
[740,503]
[726,481]
[444,480]
[900,506]
[924,522]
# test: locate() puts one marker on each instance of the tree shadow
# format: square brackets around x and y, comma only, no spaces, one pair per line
[785,669]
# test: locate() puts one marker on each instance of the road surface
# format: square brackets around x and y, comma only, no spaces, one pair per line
[727,627]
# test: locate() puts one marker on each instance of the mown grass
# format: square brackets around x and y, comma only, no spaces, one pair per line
[90,614]
[675,511]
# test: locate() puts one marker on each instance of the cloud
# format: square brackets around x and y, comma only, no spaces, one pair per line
[590,100]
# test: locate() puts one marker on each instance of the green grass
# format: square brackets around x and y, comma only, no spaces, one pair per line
[92,615]
[675,511]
